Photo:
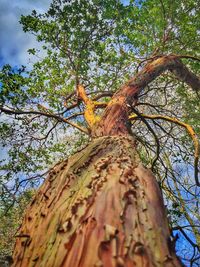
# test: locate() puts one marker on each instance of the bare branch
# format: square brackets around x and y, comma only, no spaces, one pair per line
[190,131]
[154,134]
[49,115]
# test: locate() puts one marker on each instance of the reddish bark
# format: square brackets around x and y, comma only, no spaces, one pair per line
[115,118]
[101,208]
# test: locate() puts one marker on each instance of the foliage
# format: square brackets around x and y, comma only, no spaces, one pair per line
[101,44]
[11,218]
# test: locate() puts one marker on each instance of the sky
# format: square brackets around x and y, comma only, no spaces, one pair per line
[14,43]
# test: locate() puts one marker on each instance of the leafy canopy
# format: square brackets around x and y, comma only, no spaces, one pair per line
[101,44]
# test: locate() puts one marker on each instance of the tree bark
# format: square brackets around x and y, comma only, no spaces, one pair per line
[115,118]
[99,208]
[102,207]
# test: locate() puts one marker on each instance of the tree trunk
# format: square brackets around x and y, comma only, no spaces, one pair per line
[99,208]
[102,207]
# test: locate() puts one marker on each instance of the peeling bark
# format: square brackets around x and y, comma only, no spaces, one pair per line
[102,207]
[99,208]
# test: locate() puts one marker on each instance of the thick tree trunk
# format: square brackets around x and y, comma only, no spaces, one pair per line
[102,207]
[99,208]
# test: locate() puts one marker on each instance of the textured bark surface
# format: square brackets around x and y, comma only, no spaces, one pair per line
[102,207]
[115,118]
[99,208]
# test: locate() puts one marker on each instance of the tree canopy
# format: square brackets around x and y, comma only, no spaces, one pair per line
[99,46]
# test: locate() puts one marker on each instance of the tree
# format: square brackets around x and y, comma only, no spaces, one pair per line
[101,207]
[9,225]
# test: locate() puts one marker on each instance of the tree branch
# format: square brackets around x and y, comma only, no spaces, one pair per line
[158,66]
[49,115]
[154,134]
[188,56]
[190,131]
[120,105]
[90,105]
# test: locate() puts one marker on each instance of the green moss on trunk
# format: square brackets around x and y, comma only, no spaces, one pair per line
[99,208]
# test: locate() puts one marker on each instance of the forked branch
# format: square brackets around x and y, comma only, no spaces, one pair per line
[90,106]
[115,116]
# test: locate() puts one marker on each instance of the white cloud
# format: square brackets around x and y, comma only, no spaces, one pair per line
[14,43]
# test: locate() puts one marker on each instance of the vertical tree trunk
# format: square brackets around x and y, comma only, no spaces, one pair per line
[99,208]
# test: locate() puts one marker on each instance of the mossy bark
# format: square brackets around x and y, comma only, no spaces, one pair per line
[99,208]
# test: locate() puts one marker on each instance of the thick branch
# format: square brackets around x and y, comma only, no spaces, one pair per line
[90,105]
[156,67]
[115,117]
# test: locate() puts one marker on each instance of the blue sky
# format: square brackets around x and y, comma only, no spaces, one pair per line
[14,43]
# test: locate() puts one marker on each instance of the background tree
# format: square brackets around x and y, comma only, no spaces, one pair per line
[92,49]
